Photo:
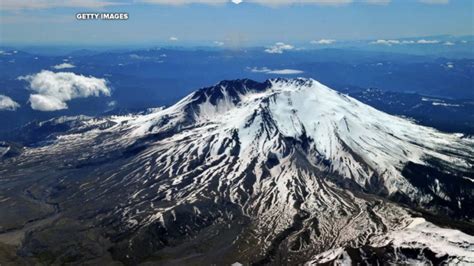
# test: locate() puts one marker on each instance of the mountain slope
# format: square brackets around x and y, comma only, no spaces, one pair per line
[279,171]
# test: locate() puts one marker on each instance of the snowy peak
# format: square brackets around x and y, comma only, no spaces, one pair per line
[287,160]
[229,90]
[340,134]
[205,103]
[208,102]
[234,90]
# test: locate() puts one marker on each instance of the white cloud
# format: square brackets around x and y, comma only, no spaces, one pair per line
[386,42]
[323,41]
[44,4]
[64,66]
[236,1]
[218,43]
[259,70]
[394,42]
[46,103]
[7,104]
[275,71]
[54,90]
[173,39]
[448,43]
[279,48]
[285,71]
[423,41]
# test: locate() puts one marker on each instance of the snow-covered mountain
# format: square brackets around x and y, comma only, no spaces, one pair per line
[284,171]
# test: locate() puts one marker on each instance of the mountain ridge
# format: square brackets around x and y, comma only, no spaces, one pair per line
[277,171]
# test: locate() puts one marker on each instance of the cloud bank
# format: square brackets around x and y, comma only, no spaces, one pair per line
[323,41]
[386,42]
[423,41]
[100,4]
[218,43]
[393,42]
[54,90]
[276,71]
[7,104]
[277,3]
[279,48]
[44,4]
[64,66]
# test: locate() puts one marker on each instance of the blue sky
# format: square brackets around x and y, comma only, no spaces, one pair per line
[215,22]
